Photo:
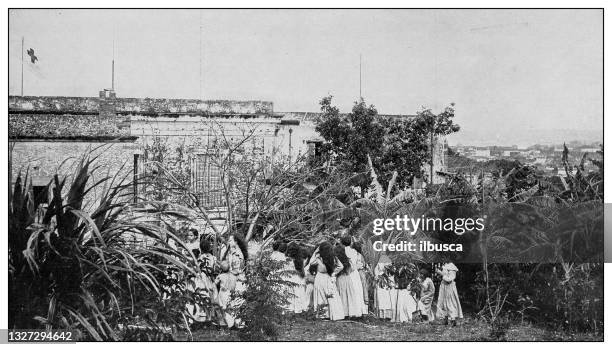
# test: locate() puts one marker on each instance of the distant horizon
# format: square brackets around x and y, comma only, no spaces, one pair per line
[463,137]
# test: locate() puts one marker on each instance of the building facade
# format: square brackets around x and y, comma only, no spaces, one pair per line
[48,133]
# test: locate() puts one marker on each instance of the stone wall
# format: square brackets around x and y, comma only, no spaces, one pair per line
[68,126]
[152,106]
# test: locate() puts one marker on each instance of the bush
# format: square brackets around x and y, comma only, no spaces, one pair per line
[264,297]
[86,266]
[559,296]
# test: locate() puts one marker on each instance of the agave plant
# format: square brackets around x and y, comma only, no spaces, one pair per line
[82,263]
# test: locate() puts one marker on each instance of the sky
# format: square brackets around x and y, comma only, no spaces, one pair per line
[510,73]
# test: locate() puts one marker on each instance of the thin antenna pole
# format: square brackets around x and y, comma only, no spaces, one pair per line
[360,96]
[22,66]
[200,62]
[113,65]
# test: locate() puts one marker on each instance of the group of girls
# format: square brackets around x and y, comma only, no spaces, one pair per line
[400,301]
[333,282]
[330,280]
[220,280]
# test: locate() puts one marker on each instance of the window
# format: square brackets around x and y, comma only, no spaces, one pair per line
[206,180]
[314,148]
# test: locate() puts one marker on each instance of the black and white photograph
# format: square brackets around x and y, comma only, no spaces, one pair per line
[304,175]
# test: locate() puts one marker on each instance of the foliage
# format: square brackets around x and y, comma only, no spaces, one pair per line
[405,275]
[559,296]
[264,297]
[75,264]
[352,137]
[401,145]
[429,126]
[580,185]
[405,150]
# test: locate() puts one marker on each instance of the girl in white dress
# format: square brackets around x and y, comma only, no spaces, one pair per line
[383,288]
[204,283]
[356,263]
[405,302]
[428,291]
[352,299]
[297,290]
[325,294]
[448,305]
[226,281]
[236,257]
[363,275]
[310,278]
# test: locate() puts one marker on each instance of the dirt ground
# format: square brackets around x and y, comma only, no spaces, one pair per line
[298,328]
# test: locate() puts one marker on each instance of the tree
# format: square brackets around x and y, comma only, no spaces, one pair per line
[352,137]
[432,125]
[393,144]
[405,150]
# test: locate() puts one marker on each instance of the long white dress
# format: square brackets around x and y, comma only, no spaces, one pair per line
[448,298]
[427,294]
[309,290]
[383,293]
[356,264]
[361,267]
[325,294]
[350,297]
[227,284]
[296,295]
[205,287]
[404,305]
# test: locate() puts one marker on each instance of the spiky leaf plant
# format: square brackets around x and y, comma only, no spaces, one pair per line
[87,264]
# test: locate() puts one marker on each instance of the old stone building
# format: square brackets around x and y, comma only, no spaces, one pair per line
[47,133]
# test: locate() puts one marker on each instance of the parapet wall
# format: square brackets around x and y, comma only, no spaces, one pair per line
[151,106]
[104,118]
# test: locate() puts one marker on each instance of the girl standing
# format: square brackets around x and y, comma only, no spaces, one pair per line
[427,294]
[356,264]
[383,288]
[325,293]
[405,303]
[204,280]
[310,279]
[448,298]
[236,257]
[226,281]
[297,290]
[352,299]
[363,277]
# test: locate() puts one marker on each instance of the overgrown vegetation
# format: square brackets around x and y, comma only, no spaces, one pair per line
[103,264]
[264,298]
[85,264]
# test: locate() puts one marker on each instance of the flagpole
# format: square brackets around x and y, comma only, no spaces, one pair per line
[21,66]
[201,97]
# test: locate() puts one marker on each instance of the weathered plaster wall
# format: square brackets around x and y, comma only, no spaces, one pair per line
[43,159]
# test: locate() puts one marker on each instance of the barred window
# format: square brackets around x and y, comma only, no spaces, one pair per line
[206,180]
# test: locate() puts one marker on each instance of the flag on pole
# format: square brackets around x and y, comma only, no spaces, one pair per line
[33,57]
[33,66]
